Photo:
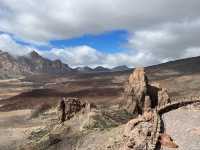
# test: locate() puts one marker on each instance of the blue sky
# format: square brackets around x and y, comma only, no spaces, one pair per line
[108,42]
[102,32]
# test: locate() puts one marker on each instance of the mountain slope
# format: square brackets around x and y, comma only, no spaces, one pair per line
[101,69]
[171,69]
[38,64]
[32,64]
[186,65]
[9,66]
[120,68]
[83,69]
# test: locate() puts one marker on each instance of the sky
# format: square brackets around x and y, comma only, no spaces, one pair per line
[102,32]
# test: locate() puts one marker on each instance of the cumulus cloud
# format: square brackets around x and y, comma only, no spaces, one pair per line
[65,19]
[168,42]
[150,50]
[8,44]
[160,30]
[75,56]
[83,55]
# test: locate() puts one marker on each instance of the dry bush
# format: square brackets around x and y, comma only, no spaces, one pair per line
[40,109]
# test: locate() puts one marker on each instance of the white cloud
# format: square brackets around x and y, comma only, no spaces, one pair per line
[9,45]
[153,47]
[161,30]
[87,56]
[36,21]
[168,42]
[74,56]
[192,52]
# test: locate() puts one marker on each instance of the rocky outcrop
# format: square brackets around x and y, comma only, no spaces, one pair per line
[141,96]
[138,132]
[71,105]
[136,90]
[61,111]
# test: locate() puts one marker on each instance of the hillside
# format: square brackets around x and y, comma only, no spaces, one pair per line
[179,67]
[21,97]
[33,63]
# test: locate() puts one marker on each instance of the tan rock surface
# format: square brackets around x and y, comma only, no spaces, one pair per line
[136,90]
[141,96]
[167,141]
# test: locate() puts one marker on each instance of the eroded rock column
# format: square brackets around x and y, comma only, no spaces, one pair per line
[141,96]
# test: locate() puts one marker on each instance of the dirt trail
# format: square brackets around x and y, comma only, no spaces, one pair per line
[184,127]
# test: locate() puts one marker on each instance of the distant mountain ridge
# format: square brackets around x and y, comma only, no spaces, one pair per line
[120,68]
[101,69]
[39,64]
[9,67]
[87,69]
[33,63]
[83,69]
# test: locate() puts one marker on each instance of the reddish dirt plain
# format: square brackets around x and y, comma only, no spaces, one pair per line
[100,88]
[95,88]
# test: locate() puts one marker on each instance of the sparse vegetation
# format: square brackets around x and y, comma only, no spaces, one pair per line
[40,109]
[98,120]
[104,124]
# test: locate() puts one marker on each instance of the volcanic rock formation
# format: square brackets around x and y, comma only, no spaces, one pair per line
[137,132]
[73,106]
[141,96]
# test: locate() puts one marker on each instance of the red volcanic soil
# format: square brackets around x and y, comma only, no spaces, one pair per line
[51,96]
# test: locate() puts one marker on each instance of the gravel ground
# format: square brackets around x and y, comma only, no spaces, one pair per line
[14,128]
[183,125]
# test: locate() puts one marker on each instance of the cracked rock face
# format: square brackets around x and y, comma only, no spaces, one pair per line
[70,106]
[141,96]
[137,133]
[136,90]
[163,97]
